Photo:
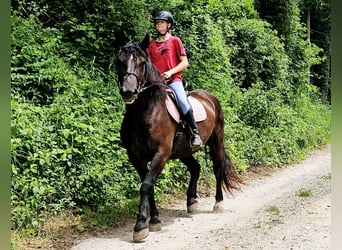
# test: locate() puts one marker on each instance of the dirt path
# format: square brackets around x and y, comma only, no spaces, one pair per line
[268,214]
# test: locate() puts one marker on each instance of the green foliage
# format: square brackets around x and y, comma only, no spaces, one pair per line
[96,27]
[273,133]
[67,154]
[260,109]
[67,112]
[317,16]
[284,16]
[64,153]
[210,58]
[257,55]
[38,73]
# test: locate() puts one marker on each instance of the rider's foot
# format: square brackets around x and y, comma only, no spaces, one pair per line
[196,141]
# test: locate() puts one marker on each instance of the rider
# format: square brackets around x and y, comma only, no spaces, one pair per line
[168,55]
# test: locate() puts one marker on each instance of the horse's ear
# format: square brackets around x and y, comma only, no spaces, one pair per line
[145,42]
[120,39]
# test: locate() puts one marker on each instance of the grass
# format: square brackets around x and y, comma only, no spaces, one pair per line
[276,217]
[60,231]
[327,177]
[55,233]
[304,192]
[274,210]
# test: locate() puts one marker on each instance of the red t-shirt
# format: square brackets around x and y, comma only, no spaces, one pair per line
[165,55]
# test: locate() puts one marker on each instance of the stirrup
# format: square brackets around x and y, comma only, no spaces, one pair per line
[196,141]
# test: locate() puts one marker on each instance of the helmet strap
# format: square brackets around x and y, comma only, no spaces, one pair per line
[161,34]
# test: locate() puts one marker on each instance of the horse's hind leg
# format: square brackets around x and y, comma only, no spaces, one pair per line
[194,169]
[223,168]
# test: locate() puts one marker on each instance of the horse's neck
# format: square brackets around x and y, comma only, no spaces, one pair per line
[148,99]
[153,76]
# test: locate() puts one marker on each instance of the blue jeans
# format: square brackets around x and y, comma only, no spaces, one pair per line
[178,88]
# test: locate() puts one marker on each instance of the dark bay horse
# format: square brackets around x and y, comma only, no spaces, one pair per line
[148,131]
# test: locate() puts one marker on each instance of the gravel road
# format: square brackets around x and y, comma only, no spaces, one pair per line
[268,213]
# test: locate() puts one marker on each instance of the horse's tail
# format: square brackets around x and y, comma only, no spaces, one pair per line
[227,174]
[224,170]
[223,167]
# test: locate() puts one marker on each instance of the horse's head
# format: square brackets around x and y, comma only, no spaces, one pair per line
[132,69]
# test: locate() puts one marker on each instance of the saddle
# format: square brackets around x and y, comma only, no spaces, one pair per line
[174,110]
[183,132]
[173,107]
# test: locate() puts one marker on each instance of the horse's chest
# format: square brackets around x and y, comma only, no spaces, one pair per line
[134,130]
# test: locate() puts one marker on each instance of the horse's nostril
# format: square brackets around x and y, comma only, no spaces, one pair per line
[127,95]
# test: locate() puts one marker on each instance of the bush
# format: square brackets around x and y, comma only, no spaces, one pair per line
[38,73]
[66,154]
[257,55]
[274,133]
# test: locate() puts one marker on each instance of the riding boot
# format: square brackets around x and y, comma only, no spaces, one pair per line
[196,139]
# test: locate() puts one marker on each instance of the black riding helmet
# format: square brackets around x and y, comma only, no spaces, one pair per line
[164,15]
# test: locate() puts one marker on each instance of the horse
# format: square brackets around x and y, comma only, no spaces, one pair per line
[148,135]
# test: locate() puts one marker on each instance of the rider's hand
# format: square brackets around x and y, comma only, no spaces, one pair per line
[166,75]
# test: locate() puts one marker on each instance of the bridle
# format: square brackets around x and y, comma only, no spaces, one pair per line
[141,82]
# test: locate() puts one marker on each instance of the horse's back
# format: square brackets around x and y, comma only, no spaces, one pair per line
[206,98]
[210,103]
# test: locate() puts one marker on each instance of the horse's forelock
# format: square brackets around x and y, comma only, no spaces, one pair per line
[132,48]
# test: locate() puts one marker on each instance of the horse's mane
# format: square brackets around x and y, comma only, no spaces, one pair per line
[154,78]
[153,75]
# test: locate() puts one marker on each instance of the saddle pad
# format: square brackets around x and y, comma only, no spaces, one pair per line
[197,107]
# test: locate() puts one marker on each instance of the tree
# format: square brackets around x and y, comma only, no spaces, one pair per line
[316,14]
[289,18]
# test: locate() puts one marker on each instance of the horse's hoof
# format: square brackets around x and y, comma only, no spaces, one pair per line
[140,235]
[155,227]
[193,207]
[218,207]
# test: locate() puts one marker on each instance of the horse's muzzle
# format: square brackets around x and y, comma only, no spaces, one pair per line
[129,88]
[128,96]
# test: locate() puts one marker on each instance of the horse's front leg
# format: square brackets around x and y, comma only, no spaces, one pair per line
[141,228]
[155,224]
